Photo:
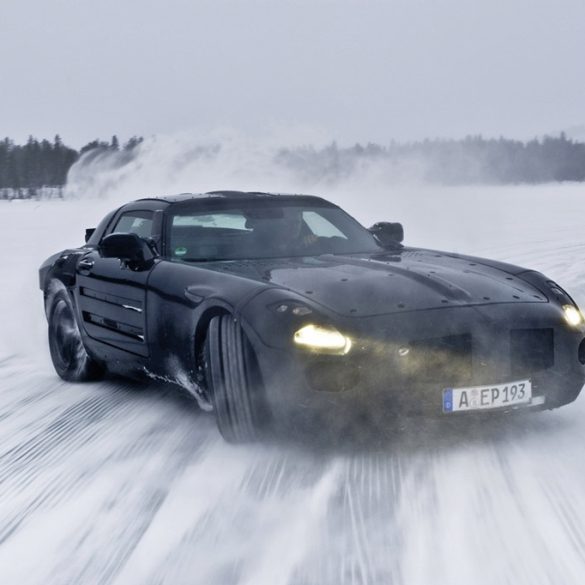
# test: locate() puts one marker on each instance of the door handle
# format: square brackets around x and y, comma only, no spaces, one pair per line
[85,264]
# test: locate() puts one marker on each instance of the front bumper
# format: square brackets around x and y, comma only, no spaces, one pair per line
[400,364]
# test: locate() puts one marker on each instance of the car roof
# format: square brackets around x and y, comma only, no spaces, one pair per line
[227,195]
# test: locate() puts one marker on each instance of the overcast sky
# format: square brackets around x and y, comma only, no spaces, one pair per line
[351,70]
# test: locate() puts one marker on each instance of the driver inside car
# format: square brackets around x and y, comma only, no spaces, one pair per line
[286,233]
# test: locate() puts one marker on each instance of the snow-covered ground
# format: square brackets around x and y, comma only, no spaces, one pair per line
[111,483]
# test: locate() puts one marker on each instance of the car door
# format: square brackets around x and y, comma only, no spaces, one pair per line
[111,296]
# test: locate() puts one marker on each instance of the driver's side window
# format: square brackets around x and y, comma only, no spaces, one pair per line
[135,222]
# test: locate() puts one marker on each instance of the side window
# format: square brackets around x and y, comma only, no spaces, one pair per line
[135,222]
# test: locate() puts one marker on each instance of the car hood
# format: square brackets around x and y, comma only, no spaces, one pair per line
[376,284]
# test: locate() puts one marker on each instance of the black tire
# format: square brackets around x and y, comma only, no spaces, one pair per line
[68,354]
[233,381]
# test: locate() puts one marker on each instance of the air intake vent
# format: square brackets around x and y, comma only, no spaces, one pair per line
[441,359]
[531,350]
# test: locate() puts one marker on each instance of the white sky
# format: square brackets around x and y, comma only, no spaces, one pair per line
[351,70]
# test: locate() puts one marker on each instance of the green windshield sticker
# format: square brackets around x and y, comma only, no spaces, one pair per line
[180,251]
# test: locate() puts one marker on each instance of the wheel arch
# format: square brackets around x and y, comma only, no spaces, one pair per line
[53,285]
[59,272]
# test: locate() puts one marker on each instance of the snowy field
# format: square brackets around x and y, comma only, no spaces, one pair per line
[110,483]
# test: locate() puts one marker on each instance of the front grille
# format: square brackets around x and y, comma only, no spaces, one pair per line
[531,350]
[445,360]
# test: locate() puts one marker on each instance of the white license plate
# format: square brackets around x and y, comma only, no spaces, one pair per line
[489,396]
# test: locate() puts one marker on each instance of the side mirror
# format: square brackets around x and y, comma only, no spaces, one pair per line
[128,248]
[387,234]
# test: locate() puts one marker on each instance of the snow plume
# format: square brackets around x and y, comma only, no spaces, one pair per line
[179,163]
[301,161]
[227,160]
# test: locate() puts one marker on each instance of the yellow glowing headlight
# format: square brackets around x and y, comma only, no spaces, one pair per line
[573,316]
[322,339]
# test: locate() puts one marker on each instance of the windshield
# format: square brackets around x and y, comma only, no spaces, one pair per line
[266,230]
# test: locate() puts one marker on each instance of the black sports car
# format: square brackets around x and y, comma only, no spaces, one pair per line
[271,308]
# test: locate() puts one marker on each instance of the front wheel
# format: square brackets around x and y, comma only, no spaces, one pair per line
[68,354]
[233,380]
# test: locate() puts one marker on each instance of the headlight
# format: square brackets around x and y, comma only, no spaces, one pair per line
[573,316]
[322,339]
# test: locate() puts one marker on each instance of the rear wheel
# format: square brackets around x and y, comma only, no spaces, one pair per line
[68,354]
[233,381]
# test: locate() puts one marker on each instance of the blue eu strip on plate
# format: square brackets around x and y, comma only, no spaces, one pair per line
[448,400]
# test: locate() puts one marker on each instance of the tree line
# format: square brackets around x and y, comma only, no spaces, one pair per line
[41,166]
[471,160]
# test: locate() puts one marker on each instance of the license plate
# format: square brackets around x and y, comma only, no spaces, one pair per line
[485,397]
